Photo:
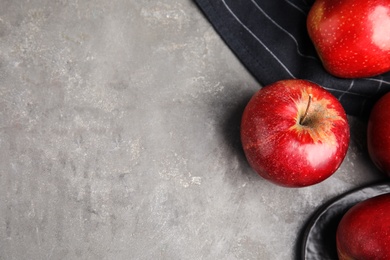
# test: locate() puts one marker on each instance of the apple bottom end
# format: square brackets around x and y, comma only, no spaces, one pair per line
[292,183]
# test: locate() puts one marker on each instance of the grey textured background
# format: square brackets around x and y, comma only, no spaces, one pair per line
[119,134]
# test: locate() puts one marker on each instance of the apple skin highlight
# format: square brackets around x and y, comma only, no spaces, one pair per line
[286,151]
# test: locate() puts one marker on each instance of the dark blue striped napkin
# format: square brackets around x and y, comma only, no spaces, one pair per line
[269,37]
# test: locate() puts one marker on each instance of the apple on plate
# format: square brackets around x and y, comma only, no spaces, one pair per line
[352,37]
[378,134]
[364,230]
[294,133]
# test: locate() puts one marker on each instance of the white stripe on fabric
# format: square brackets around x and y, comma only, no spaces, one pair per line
[284,30]
[379,80]
[257,39]
[347,91]
[296,7]
[379,86]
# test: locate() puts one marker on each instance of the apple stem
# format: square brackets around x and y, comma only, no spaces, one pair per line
[302,121]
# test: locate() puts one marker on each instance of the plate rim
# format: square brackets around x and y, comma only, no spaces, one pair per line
[310,224]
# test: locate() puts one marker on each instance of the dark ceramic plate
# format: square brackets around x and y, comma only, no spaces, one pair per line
[319,237]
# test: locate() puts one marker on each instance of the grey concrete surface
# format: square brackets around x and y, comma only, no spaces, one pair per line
[119,134]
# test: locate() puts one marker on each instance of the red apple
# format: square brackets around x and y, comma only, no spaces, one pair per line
[378,134]
[364,231]
[352,37]
[294,133]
